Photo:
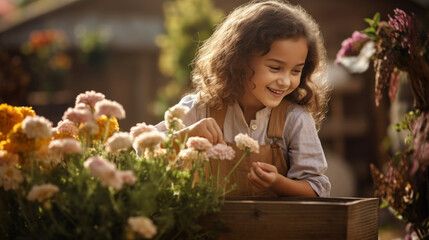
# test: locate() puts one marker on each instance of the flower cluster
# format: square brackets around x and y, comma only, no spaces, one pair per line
[399,46]
[84,179]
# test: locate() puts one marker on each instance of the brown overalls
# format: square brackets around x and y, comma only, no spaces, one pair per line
[271,154]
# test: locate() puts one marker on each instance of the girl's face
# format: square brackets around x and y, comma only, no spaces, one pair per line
[276,74]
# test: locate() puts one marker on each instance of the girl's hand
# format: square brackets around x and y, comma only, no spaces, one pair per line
[262,175]
[206,128]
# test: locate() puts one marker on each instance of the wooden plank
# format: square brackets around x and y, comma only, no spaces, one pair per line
[298,218]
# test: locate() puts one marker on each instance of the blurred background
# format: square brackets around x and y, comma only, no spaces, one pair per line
[137,52]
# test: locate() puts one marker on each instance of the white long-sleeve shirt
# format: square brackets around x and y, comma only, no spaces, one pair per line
[301,145]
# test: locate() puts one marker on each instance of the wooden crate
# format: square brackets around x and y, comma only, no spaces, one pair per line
[298,218]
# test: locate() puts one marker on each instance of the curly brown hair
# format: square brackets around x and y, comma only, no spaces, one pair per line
[220,68]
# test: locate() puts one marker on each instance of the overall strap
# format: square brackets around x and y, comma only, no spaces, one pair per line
[219,115]
[277,120]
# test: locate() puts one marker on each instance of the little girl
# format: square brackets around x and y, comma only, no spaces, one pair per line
[262,73]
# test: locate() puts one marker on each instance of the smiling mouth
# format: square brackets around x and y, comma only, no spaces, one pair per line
[277,92]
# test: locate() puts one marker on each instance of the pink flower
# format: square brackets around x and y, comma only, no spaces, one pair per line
[421,142]
[110,109]
[90,98]
[128,177]
[65,145]
[42,192]
[67,127]
[143,225]
[406,30]
[10,177]
[198,143]
[244,142]
[191,154]
[78,115]
[351,46]
[105,171]
[118,141]
[139,129]
[37,127]
[221,151]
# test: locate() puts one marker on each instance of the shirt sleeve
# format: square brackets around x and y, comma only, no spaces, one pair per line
[304,152]
[189,118]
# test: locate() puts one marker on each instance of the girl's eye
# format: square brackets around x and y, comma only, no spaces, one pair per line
[296,71]
[275,68]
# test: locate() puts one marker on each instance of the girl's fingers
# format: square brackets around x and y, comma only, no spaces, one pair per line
[265,166]
[253,182]
[256,179]
[219,133]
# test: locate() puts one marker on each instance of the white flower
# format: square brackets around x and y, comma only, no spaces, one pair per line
[105,171]
[143,225]
[148,139]
[118,141]
[109,108]
[191,154]
[10,177]
[140,128]
[243,141]
[90,98]
[42,192]
[198,143]
[360,63]
[177,111]
[221,151]
[90,128]
[173,117]
[37,127]
[65,145]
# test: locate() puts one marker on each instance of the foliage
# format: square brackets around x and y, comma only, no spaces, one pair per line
[47,59]
[187,24]
[67,183]
[399,46]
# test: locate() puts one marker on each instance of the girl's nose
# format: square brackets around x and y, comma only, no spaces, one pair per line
[284,81]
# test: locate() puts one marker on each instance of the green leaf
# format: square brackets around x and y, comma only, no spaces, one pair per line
[384,205]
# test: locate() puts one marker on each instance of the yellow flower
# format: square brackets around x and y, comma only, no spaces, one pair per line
[26,111]
[101,122]
[17,141]
[9,116]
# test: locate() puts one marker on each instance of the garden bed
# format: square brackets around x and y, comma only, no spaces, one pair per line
[297,218]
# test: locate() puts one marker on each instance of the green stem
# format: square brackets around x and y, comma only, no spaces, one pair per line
[218,172]
[106,130]
[245,153]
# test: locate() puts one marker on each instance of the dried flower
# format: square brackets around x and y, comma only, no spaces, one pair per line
[37,127]
[421,139]
[198,143]
[244,142]
[109,108]
[65,146]
[42,192]
[139,129]
[78,115]
[143,225]
[148,139]
[221,151]
[118,141]
[102,123]
[352,46]
[105,171]
[406,30]
[90,98]
[10,177]
[359,63]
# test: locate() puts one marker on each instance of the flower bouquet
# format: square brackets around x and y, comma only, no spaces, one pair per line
[399,46]
[84,179]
